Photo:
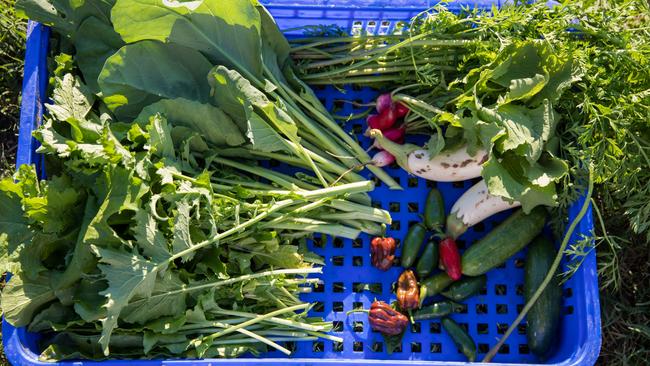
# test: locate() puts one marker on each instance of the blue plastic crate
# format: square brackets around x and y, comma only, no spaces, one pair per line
[348,262]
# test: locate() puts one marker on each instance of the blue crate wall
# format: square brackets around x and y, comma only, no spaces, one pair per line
[374,17]
[348,261]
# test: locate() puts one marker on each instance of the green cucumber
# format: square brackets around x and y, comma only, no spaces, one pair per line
[412,243]
[544,317]
[428,261]
[503,242]
[465,288]
[434,210]
[461,338]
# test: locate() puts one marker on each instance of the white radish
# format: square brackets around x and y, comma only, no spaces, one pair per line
[474,206]
[453,166]
[382,159]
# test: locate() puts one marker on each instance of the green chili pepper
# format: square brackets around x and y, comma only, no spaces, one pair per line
[428,261]
[437,310]
[412,244]
[465,288]
[461,338]
[434,210]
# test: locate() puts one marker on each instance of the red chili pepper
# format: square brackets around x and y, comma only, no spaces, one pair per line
[382,252]
[408,291]
[383,318]
[450,258]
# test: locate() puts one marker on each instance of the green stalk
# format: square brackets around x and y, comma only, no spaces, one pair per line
[270,339]
[349,188]
[274,320]
[331,124]
[335,167]
[256,337]
[323,137]
[230,281]
[367,227]
[273,339]
[326,336]
[378,70]
[418,103]
[357,80]
[249,184]
[329,229]
[255,320]
[282,180]
[296,212]
[551,271]
[381,51]
[343,216]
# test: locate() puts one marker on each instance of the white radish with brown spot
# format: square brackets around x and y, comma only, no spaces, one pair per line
[452,166]
[474,206]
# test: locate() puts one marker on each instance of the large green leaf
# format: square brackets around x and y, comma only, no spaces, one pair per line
[165,300]
[208,121]
[57,209]
[13,222]
[99,42]
[64,15]
[128,275]
[142,73]
[225,31]
[22,298]
[244,104]
[504,177]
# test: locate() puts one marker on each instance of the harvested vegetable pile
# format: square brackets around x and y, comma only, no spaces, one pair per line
[157,232]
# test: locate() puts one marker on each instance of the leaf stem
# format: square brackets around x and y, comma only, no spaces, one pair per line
[256,319]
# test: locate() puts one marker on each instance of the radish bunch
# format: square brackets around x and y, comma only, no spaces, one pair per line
[386,120]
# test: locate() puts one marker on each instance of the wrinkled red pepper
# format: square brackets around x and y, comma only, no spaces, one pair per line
[383,318]
[450,258]
[382,252]
[408,291]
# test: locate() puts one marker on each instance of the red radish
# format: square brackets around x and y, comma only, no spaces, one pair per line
[400,109]
[394,134]
[382,159]
[384,102]
[450,258]
[382,121]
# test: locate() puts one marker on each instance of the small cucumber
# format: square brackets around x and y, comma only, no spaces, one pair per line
[503,242]
[437,310]
[434,284]
[412,243]
[460,337]
[428,261]
[544,317]
[465,288]
[434,210]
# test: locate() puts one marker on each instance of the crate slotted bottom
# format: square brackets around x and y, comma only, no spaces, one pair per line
[351,282]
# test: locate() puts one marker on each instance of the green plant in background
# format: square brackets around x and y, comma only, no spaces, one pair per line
[12,47]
